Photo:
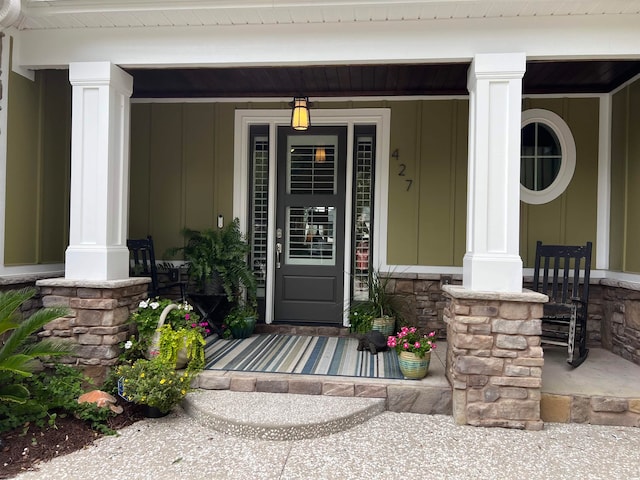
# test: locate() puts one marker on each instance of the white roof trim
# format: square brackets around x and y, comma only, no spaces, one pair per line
[53,14]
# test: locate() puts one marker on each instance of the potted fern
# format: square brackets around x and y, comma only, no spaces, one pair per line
[217,260]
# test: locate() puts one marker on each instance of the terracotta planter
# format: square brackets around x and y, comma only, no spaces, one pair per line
[412,366]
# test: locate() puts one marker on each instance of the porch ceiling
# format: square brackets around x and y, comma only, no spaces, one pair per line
[548,77]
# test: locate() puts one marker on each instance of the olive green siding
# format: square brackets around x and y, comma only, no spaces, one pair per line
[625,175]
[182,171]
[38,153]
[570,218]
[427,182]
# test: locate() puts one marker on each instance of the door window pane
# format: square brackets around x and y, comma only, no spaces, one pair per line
[311,238]
[312,166]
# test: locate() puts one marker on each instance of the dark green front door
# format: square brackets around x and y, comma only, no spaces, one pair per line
[310,219]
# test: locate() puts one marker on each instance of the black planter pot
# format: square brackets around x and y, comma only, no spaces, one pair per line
[153,412]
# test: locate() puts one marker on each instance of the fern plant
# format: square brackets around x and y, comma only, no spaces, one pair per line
[222,252]
[17,353]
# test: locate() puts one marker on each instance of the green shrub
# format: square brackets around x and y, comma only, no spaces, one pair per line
[17,353]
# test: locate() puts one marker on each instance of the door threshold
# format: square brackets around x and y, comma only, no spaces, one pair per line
[293,329]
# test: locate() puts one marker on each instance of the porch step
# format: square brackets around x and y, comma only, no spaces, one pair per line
[275,416]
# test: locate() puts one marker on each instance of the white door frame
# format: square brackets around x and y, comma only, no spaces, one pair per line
[380,117]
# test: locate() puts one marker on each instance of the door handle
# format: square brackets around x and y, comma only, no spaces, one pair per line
[278,254]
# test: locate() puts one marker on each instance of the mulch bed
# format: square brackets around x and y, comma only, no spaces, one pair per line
[23,448]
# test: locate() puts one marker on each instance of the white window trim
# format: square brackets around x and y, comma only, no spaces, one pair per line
[380,117]
[568,163]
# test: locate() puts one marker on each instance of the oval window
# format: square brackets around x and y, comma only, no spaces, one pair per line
[547,156]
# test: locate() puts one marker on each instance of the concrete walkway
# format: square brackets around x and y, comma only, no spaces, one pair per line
[392,445]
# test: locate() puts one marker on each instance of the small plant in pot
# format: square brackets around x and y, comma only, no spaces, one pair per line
[240,322]
[414,351]
[385,305]
[361,315]
[154,384]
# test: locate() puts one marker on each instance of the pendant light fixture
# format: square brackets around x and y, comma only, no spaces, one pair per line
[300,118]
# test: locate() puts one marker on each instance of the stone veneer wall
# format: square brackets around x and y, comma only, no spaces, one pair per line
[620,329]
[422,298]
[494,358]
[98,319]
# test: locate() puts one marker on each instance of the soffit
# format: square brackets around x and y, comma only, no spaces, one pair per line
[57,14]
[553,77]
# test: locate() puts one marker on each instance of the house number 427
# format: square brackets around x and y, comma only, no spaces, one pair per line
[402,167]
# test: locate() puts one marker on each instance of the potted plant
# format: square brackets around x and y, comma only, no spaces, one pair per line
[414,351]
[155,384]
[240,322]
[384,304]
[361,315]
[217,259]
[171,331]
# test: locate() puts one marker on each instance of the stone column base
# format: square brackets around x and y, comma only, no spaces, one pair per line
[97,323]
[494,357]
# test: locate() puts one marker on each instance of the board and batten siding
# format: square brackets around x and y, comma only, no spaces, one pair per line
[38,168]
[625,178]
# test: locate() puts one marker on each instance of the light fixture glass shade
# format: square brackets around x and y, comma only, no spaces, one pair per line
[300,119]
[321,155]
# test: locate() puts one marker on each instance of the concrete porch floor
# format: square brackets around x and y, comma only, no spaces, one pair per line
[604,390]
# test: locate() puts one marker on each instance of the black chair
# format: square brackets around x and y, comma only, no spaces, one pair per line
[557,275]
[143,264]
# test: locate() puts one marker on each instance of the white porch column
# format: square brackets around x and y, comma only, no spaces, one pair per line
[492,261]
[99,172]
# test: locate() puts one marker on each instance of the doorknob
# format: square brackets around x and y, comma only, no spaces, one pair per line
[278,253]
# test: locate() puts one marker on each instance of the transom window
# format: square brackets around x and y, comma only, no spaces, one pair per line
[547,156]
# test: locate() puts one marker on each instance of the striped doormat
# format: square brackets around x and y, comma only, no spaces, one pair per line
[304,355]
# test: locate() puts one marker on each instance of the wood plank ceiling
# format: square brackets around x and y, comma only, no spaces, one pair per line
[549,77]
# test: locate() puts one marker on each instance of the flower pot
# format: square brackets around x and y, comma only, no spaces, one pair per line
[385,325]
[239,331]
[153,412]
[412,366]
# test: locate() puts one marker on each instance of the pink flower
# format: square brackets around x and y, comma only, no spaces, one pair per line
[391,342]
[187,317]
[412,330]
[207,331]
[433,347]
[405,345]
[432,334]
[417,344]
[193,325]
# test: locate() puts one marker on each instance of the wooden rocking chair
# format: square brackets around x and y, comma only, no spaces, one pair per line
[557,275]
[143,264]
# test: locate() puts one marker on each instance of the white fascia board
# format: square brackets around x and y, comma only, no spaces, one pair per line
[336,43]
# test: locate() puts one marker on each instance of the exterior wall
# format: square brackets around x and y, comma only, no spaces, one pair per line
[625,175]
[38,165]
[570,218]
[181,175]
